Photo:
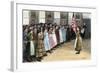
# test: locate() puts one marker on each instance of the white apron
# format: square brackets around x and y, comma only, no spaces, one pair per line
[32,49]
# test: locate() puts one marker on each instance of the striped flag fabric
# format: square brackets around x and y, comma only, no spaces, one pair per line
[73,23]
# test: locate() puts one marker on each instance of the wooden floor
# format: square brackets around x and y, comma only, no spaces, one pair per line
[67,52]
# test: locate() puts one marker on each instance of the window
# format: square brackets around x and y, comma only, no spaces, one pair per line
[64,18]
[49,17]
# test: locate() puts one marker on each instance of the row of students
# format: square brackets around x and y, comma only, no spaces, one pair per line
[40,39]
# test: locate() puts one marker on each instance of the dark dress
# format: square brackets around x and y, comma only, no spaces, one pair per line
[24,45]
[27,50]
[68,32]
[73,35]
[40,47]
[57,35]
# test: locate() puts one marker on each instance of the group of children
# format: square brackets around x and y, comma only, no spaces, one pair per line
[39,39]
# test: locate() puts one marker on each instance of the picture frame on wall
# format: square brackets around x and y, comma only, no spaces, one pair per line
[64,38]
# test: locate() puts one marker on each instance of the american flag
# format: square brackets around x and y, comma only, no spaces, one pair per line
[73,23]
